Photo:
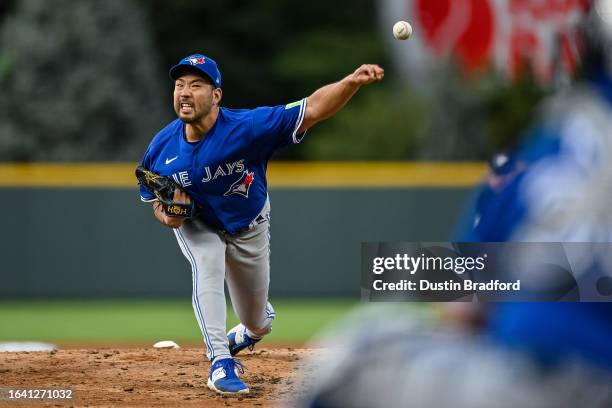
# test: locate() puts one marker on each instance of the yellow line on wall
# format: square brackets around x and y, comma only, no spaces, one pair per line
[375,174]
[280,174]
[67,175]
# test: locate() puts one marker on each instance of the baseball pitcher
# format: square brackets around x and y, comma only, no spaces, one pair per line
[205,174]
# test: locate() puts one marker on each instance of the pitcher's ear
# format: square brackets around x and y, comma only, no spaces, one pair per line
[217,96]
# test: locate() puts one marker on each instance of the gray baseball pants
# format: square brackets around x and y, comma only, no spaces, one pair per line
[243,261]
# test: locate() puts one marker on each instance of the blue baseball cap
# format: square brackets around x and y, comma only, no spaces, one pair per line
[199,63]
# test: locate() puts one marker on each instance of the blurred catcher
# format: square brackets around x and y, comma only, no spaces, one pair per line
[217,157]
[556,188]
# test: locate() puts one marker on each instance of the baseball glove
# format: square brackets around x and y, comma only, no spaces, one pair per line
[163,187]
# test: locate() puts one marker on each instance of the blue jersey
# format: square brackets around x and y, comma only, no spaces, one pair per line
[225,172]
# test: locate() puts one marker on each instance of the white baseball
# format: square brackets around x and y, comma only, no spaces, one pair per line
[402,30]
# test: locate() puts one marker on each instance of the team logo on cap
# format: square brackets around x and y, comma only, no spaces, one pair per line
[242,185]
[195,60]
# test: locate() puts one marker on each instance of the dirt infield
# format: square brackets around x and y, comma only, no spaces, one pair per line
[150,377]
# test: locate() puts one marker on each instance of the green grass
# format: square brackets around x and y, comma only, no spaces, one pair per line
[80,321]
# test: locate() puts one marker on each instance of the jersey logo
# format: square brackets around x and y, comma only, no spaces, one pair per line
[242,185]
[168,161]
[223,170]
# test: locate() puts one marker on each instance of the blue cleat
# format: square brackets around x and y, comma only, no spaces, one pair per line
[224,378]
[239,340]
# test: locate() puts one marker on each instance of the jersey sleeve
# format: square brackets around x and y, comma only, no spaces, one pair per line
[278,126]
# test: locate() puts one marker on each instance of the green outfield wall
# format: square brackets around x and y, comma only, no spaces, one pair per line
[72,241]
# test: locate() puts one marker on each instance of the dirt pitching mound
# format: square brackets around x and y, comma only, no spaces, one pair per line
[151,377]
